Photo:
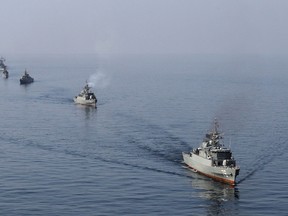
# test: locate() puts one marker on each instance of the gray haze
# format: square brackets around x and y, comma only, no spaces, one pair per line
[144,26]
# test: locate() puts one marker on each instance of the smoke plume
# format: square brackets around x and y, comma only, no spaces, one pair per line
[98,80]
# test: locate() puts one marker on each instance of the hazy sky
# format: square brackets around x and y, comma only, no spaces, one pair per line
[144,26]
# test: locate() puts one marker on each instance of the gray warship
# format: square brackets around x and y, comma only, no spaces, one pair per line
[86,97]
[2,64]
[3,68]
[5,73]
[213,159]
[26,78]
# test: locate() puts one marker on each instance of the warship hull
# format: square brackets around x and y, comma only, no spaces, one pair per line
[204,166]
[84,101]
[26,81]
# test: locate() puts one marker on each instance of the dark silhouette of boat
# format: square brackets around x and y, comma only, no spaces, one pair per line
[3,68]
[26,78]
[5,74]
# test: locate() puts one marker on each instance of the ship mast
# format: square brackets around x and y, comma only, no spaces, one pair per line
[214,136]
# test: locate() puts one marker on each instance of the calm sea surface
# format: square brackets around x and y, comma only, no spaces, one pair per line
[124,158]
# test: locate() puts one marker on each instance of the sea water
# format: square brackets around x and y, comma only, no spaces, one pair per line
[125,157]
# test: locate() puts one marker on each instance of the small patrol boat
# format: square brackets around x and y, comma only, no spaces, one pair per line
[5,73]
[213,159]
[2,64]
[86,97]
[26,78]
[3,68]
